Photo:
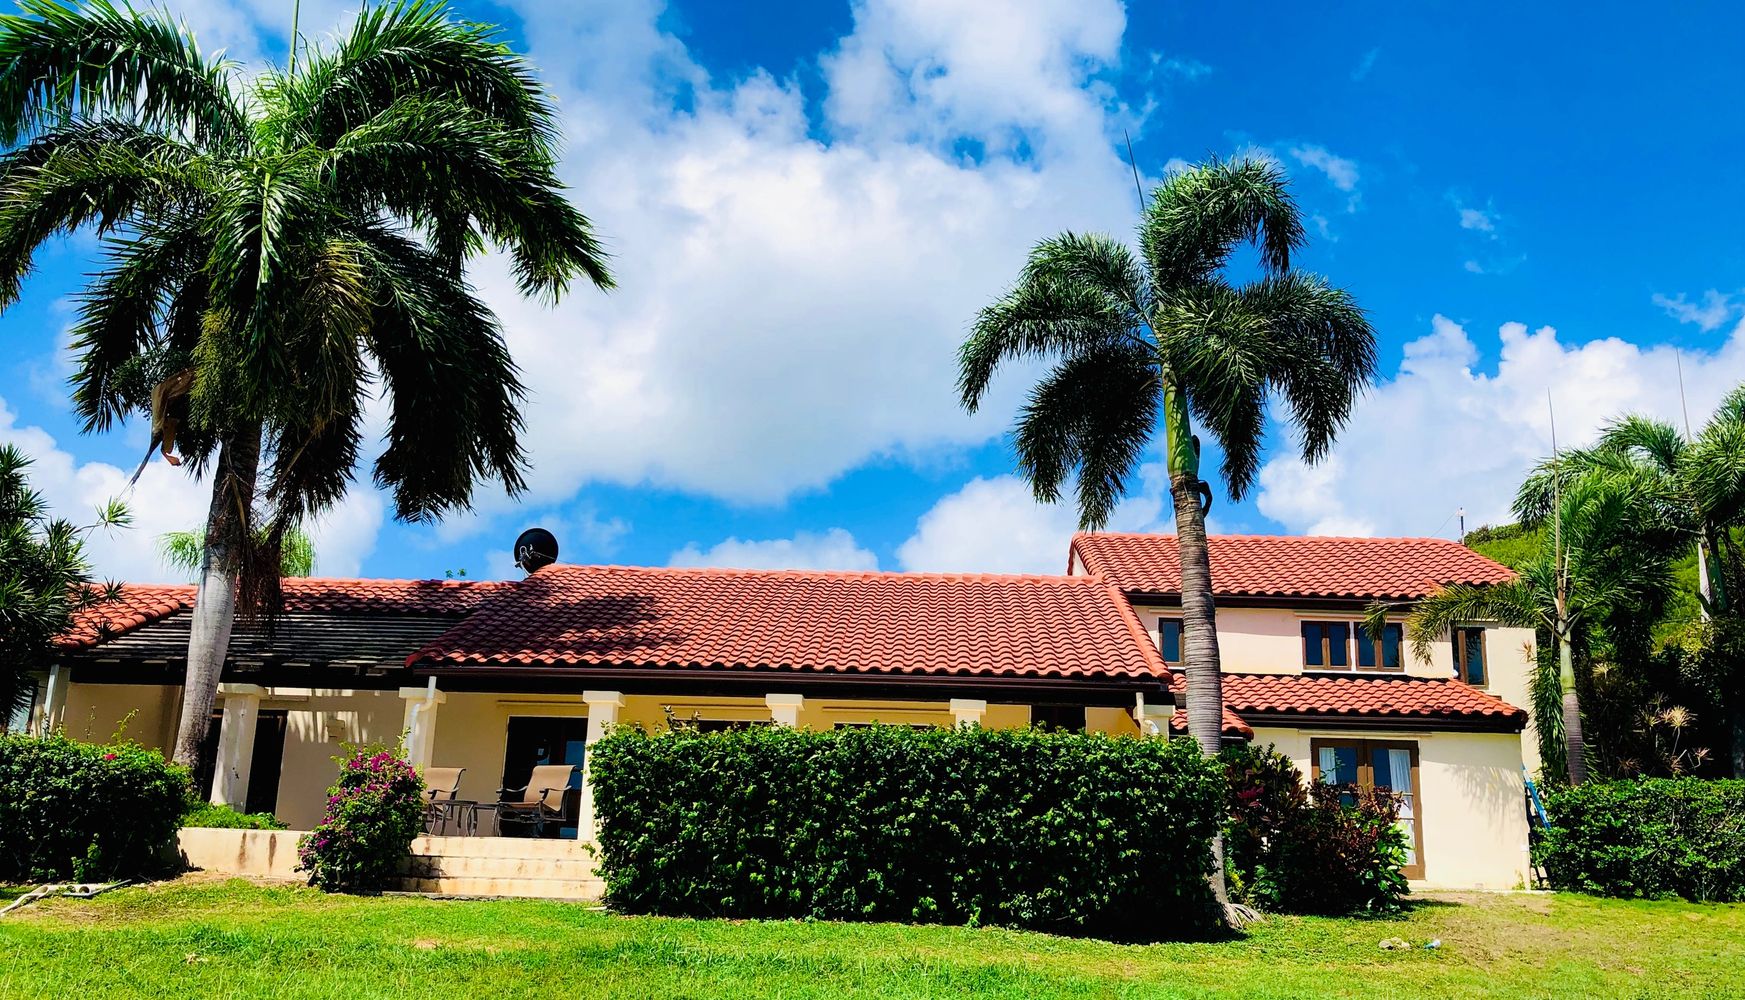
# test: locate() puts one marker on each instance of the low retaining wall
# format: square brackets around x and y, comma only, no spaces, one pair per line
[254,853]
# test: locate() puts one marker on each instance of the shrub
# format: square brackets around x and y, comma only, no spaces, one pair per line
[1309,849]
[1064,832]
[374,811]
[216,817]
[1650,837]
[71,810]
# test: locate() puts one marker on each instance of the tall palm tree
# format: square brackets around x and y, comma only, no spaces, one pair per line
[1694,488]
[1166,336]
[1604,561]
[280,247]
[186,551]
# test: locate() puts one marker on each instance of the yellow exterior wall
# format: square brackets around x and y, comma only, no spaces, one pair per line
[142,713]
[1473,805]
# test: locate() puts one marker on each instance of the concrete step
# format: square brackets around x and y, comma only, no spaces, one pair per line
[588,889]
[446,866]
[502,847]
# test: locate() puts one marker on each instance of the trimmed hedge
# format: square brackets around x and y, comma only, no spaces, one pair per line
[1650,837]
[207,816]
[1063,832]
[71,810]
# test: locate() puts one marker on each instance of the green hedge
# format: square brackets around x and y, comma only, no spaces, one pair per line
[208,816]
[1063,832]
[1649,837]
[71,810]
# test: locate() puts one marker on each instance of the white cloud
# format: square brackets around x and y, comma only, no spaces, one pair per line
[1365,65]
[1715,309]
[1445,433]
[995,525]
[1472,218]
[1341,172]
[833,549]
[1187,69]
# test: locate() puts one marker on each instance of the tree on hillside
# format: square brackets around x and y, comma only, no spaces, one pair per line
[1148,343]
[1696,488]
[44,578]
[278,249]
[1604,563]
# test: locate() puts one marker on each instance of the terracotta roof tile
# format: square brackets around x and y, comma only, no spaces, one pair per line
[1321,696]
[1234,727]
[1290,566]
[142,604]
[808,622]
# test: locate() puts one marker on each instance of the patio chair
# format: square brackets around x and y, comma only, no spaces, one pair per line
[441,786]
[540,800]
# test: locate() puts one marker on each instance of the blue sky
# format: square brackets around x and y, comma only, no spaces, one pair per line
[808,202]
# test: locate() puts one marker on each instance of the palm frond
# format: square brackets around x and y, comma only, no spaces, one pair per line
[1199,215]
[1092,414]
[1324,352]
[1516,604]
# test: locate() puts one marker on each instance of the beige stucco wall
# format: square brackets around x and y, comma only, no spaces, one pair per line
[1474,818]
[143,713]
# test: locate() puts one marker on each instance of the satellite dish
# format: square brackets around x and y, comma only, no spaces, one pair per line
[535,548]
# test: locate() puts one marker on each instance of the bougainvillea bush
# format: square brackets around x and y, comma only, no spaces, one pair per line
[1320,849]
[1064,832]
[85,811]
[374,811]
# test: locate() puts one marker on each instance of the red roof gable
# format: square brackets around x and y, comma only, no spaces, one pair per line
[1289,566]
[1397,697]
[142,604]
[808,622]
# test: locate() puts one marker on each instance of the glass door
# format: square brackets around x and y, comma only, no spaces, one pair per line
[1385,764]
[534,740]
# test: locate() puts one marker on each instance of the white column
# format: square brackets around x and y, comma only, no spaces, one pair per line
[785,708]
[1154,719]
[603,708]
[419,725]
[242,706]
[54,699]
[968,711]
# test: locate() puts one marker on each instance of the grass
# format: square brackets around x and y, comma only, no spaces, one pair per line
[213,939]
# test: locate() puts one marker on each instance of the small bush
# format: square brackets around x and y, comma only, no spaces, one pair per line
[1296,848]
[1650,837]
[374,811]
[1064,832]
[71,810]
[216,817]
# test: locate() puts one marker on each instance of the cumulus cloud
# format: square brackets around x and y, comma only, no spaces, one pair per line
[1444,432]
[1709,315]
[1341,172]
[1473,218]
[833,549]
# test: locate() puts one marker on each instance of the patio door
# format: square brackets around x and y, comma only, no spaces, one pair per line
[1387,764]
[537,739]
[268,760]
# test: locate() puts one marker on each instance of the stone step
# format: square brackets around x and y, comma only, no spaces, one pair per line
[588,889]
[447,866]
[502,847]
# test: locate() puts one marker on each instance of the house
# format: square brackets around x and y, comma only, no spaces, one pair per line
[499,677]
[1303,675]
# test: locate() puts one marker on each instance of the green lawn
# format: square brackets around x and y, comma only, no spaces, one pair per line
[230,939]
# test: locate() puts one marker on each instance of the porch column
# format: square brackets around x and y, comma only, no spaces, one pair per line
[242,706]
[784,709]
[1154,719]
[968,711]
[603,707]
[54,699]
[419,725]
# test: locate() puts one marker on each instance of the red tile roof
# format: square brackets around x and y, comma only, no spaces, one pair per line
[142,604]
[1234,727]
[809,622]
[1289,566]
[1330,697]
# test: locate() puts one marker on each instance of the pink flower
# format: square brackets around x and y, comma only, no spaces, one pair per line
[108,756]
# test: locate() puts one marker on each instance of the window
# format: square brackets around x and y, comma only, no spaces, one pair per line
[1469,655]
[1377,764]
[1382,653]
[1070,718]
[1169,640]
[1327,645]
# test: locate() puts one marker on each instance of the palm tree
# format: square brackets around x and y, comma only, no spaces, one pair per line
[1693,488]
[186,551]
[1603,562]
[278,248]
[1165,336]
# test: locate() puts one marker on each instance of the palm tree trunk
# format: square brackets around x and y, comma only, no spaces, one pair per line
[1200,641]
[233,486]
[1576,747]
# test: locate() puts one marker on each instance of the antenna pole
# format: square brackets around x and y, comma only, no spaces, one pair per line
[296,17]
[1461,511]
[1556,503]
[1133,163]
[1703,586]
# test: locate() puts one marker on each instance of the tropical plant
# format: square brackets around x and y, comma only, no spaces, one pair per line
[1598,564]
[1693,492]
[279,245]
[1165,336]
[186,551]
[45,577]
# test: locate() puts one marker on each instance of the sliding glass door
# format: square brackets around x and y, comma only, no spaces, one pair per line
[1385,764]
